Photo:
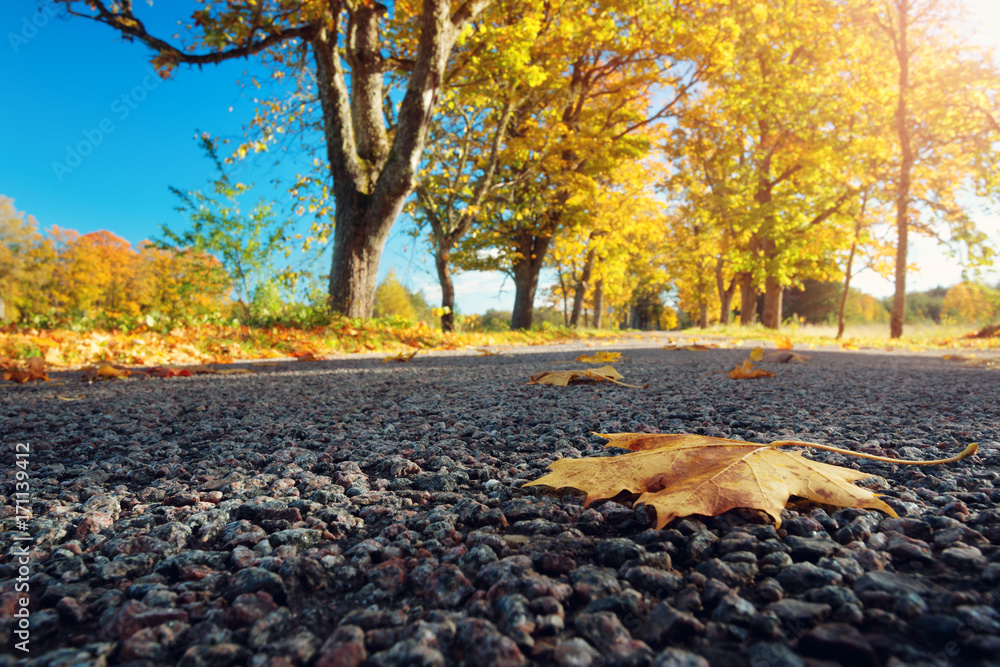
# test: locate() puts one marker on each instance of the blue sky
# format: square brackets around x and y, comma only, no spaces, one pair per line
[70,86]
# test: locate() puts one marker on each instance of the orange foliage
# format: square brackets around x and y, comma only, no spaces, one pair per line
[100,277]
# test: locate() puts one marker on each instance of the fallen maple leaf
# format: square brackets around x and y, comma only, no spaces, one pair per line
[401,357]
[783,343]
[600,358]
[105,372]
[565,378]
[680,475]
[756,354]
[746,371]
[307,356]
[35,371]
[483,352]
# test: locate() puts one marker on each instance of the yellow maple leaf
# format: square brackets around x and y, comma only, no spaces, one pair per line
[783,343]
[746,371]
[680,475]
[401,356]
[565,378]
[600,358]
[756,354]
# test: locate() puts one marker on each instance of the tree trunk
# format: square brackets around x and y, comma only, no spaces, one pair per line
[850,267]
[905,169]
[847,289]
[565,298]
[725,295]
[703,316]
[442,259]
[581,288]
[526,268]
[358,241]
[773,291]
[748,300]
[598,303]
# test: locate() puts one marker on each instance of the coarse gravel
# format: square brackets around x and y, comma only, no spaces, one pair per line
[350,512]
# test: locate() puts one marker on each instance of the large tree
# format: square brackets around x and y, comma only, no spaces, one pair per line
[372,148]
[943,122]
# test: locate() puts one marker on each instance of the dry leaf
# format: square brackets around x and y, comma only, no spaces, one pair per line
[483,352]
[105,372]
[233,371]
[783,343]
[565,378]
[784,358]
[679,475]
[70,398]
[756,354]
[746,371]
[600,358]
[35,371]
[307,356]
[849,345]
[402,357]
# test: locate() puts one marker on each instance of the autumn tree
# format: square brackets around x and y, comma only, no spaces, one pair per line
[182,284]
[780,122]
[391,298]
[345,51]
[970,303]
[943,121]
[22,271]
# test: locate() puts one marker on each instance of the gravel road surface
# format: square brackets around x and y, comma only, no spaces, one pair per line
[350,512]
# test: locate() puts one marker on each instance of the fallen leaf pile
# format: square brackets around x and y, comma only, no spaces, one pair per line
[584,376]
[680,475]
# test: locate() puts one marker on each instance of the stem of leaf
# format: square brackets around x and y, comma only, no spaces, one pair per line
[969,451]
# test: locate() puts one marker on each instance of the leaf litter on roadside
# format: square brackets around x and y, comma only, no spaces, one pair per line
[583,376]
[680,475]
